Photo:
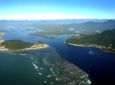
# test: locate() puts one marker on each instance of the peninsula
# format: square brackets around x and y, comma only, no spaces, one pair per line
[104,41]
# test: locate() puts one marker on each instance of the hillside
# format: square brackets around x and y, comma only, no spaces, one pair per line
[91,25]
[18,45]
[103,40]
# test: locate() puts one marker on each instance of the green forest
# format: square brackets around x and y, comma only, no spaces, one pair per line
[105,38]
[16,44]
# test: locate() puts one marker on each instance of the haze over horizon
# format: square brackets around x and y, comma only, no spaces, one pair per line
[60,9]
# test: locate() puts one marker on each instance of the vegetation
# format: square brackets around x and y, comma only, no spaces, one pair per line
[16,44]
[50,31]
[105,39]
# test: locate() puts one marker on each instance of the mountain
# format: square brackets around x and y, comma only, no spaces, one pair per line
[42,22]
[91,25]
[74,24]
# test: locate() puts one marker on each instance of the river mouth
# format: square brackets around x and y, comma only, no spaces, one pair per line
[99,65]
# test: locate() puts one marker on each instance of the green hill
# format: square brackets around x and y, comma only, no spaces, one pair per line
[105,39]
[16,44]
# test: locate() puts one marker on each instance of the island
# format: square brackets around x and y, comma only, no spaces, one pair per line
[19,45]
[104,40]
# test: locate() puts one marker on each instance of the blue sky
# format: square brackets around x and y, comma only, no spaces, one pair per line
[57,9]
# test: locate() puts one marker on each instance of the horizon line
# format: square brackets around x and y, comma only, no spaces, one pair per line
[56,19]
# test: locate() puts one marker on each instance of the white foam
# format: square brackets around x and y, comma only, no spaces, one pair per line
[40,73]
[57,79]
[51,69]
[23,54]
[41,68]
[49,76]
[88,81]
[35,66]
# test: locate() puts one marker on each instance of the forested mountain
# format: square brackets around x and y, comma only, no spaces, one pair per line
[106,38]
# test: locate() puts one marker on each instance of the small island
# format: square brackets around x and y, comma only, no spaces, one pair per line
[19,45]
[104,41]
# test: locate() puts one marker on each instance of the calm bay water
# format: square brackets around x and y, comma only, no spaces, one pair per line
[100,65]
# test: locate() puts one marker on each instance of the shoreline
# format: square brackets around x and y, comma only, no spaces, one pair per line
[35,48]
[3,49]
[105,49]
[1,37]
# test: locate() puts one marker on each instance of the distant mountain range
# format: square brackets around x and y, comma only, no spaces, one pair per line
[77,24]
[91,25]
[64,21]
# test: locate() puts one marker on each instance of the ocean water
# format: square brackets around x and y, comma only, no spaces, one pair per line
[39,67]
[98,64]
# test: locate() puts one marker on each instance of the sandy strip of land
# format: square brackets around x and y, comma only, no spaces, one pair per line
[80,45]
[1,37]
[35,47]
[2,48]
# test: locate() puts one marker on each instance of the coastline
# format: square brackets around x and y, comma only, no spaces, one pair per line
[3,49]
[1,37]
[34,48]
[105,49]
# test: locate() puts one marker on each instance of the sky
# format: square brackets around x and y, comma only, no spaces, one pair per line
[56,9]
